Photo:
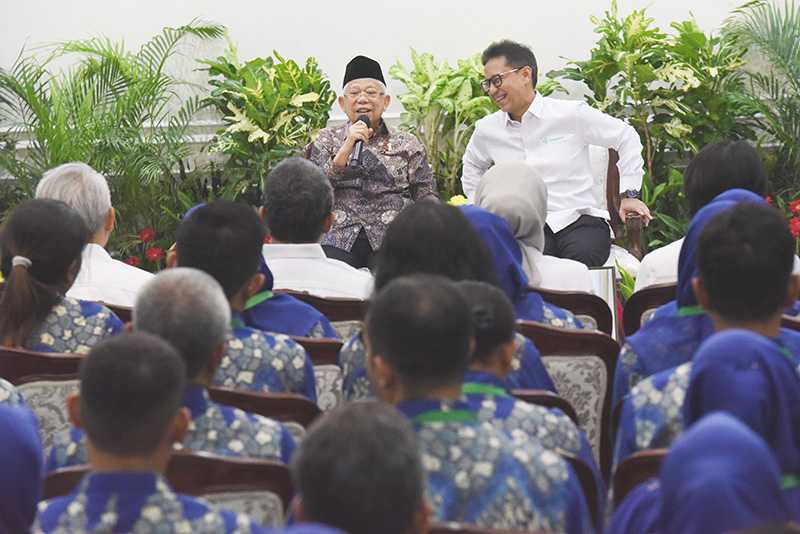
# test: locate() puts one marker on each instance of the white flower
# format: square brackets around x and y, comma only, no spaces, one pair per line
[236,446]
[431,463]
[245,377]
[263,437]
[277,364]
[47,339]
[462,480]
[483,468]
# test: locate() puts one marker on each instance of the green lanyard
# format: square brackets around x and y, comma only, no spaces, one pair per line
[791,481]
[438,416]
[252,302]
[688,311]
[786,352]
[472,388]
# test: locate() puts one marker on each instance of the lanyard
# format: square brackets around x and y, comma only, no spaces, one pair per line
[791,481]
[257,299]
[472,388]
[439,416]
[688,311]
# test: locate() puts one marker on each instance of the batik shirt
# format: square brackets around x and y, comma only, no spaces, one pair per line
[527,369]
[651,415]
[395,174]
[213,428]
[477,475]
[266,362]
[9,394]
[137,503]
[74,326]
[489,397]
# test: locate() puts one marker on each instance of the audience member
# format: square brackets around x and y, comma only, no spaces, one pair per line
[188,309]
[130,408]
[20,469]
[507,259]
[451,248]
[101,277]
[516,192]
[717,168]
[475,473]
[298,210]
[224,240]
[359,470]
[40,247]
[744,264]
[719,477]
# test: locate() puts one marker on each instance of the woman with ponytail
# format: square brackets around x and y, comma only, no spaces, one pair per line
[40,256]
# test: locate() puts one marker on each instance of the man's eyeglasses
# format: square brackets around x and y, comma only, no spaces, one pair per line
[371,94]
[497,79]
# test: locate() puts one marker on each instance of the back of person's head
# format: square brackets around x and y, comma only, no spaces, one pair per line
[21,473]
[188,309]
[358,469]
[82,188]
[223,239]
[516,55]
[40,251]
[745,257]
[298,200]
[433,238]
[421,326]
[131,390]
[721,166]
[492,317]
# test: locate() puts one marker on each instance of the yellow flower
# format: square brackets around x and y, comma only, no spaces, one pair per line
[458,200]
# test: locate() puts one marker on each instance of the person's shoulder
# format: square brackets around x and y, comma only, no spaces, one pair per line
[329,133]
[244,337]
[130,273]
[493,120]
[213,519]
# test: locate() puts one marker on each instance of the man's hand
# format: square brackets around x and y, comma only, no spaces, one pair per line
[634,206]
[358,131]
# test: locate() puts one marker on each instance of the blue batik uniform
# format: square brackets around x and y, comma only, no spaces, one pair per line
[652,414]
[135,502]
[265,362]
[488,396]
[527,369]
[21,475]
[9,394]
[213,428]
[477,475]
[74,326]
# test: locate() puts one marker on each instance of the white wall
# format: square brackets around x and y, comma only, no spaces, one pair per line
[335,31]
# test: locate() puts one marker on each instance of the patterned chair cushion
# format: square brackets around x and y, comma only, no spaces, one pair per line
[347,329]
[589,322]
[48,399]
[582,380]
[329,386]
[296,430]
[263,507]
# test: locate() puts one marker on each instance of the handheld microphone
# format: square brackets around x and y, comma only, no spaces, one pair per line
[357,156]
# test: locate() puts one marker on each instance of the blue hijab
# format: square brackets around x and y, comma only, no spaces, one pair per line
[720,477]
[752,378]
[507,257]
[20,469]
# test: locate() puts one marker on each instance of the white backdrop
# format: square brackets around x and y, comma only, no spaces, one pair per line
[334,31]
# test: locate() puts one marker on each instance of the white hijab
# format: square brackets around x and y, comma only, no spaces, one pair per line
[515,192]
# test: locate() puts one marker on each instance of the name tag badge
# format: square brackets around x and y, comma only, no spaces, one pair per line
[553,139]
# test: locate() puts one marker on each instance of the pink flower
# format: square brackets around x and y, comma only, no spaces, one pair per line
[794,206]
[154,254]
[147,235]
[133,260]
[794,226]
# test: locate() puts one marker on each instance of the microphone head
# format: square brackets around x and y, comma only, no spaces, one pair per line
[363,118]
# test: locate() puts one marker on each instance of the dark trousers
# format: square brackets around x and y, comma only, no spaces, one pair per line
[587,240]
[359,256]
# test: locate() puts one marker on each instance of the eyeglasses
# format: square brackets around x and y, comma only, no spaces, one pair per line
[371,94]
[497,79]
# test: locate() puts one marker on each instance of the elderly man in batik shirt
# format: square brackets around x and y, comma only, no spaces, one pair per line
[392,173]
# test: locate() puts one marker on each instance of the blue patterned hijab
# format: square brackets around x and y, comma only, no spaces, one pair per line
[20,469]
[752,378]
[507,258]
[720,477]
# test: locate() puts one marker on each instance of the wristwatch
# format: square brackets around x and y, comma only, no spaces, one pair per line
[630,193]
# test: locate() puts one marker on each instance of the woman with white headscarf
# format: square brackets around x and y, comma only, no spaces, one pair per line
[516,193]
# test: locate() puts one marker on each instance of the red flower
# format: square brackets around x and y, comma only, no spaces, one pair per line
[794,226]
[768,200]
[133,260]
[147,235]
[794,206]
[154,254]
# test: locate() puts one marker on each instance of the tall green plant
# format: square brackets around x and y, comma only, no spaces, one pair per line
[273,108]
[115,110]
[772,31]
[442,105]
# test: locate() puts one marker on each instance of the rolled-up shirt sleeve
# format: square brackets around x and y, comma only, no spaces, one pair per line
[600,129]
[475,163]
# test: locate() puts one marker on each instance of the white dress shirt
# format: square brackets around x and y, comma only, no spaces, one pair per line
[104,279]
[554,137]
[304,267]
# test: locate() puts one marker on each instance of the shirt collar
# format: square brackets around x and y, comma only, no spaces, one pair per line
[195,397]
[143,483]
[95,250]
[311,251]
[383,130]
[536,109]
[481,377]
[415,407]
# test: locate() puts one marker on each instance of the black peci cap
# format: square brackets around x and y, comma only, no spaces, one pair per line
[363,67]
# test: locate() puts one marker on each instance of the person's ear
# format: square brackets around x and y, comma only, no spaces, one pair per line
[180,425]
[341,104]
[254,285]
[382,377]
[793,291]
[172,258]
[422,517]
[73,403]
[386,101]
[507,351]
[701,293]
[327,224]
[111,220]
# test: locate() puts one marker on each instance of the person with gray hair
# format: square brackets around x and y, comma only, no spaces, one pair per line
[298,204]
[187,308]
[101,278]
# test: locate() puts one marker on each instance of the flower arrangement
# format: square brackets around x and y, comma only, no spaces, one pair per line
[790,207]
[149,255]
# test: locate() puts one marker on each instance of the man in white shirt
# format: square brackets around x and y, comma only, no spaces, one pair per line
[101,278]
[554,137]
[298,203]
